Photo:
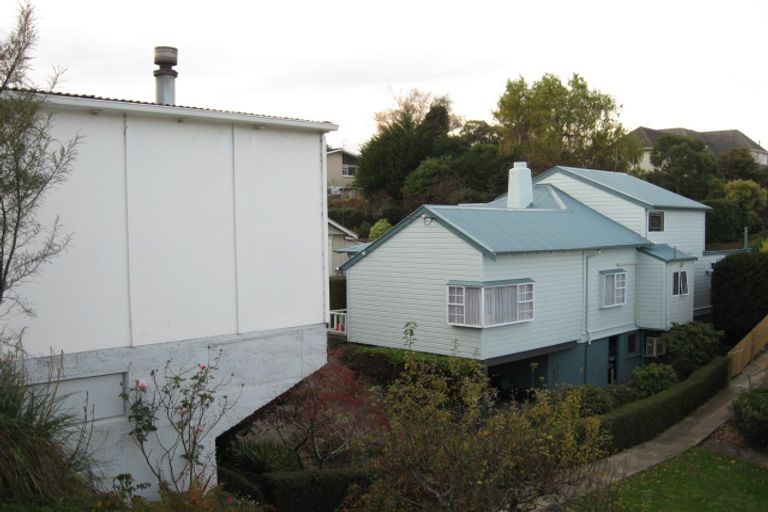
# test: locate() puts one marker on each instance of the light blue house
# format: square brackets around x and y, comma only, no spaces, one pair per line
[576,273]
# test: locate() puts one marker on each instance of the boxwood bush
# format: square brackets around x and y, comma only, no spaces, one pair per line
[639,421]
[312,490]
[750,413]
[653,378]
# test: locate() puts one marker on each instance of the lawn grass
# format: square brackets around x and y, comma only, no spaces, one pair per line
[697,480]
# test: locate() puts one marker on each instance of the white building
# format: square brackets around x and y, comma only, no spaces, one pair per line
[176,214]
[577,273]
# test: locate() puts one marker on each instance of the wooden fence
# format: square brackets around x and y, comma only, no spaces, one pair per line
[749,347]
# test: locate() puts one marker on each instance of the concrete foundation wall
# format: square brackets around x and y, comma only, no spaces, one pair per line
[262,365]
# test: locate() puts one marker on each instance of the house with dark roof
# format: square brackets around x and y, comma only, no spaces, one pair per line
[718,142]
[566,279]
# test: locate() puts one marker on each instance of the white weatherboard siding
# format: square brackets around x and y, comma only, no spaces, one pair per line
[405,280]
[620,210]
[681,306]
[652,294]
[608,321]
[557,302]
[683,229]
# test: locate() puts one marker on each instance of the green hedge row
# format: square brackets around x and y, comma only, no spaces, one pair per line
[381,365]
[338,292]
[739,294]
[639,421]
[312,490]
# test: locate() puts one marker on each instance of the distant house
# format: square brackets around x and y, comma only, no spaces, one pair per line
[339,238]
[173,257]
[576,272]
[718,142]
[342,170]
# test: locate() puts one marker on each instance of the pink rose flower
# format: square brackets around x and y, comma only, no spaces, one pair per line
[141,384]
[202,366]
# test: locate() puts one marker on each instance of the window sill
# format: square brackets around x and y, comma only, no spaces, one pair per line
[491,326]
[612,306]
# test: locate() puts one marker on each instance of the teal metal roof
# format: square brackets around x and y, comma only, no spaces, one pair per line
[666,253]
[554,222]
[631,188]
[354,249]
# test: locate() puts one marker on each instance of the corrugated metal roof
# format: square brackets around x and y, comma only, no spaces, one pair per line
[545,226]
[354,249]
[666,253]
[634,189]
[178,107]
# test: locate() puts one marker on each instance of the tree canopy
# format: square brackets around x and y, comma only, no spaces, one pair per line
[683,165]
[549,123]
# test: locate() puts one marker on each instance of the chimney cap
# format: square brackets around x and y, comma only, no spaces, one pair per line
[166,56]
[520,165]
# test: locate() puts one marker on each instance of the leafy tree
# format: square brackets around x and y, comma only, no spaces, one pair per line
[447,446]
[406,135]
[378,229]
[322,417]
[431,182]
[550,123]
[738,164]
[32,162]
[683,165]
[725,221]
[739,294]
[751,198]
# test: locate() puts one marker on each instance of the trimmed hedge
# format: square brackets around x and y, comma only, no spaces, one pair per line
[382,365]
[338,292]
[312,490]
[750,413]
[639,421]
[739,294]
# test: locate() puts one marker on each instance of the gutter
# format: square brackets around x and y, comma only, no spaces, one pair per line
[183,113]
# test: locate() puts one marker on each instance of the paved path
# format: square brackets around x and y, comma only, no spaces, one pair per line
[689,432]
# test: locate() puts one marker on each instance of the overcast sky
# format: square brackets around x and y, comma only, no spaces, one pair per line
[699,64]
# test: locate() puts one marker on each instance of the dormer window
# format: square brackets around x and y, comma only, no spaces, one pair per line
[656,221]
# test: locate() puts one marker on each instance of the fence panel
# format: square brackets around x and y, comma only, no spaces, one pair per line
[749,347]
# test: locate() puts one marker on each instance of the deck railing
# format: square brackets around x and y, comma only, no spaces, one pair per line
[745,351]
[338,324]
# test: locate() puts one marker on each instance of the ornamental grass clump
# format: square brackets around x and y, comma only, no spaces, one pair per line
[43,448]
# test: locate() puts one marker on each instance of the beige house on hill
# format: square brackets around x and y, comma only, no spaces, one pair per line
[717,142]
[342,171]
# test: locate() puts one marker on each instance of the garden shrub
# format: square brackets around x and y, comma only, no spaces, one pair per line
[596,400]
[338,292]
[690,346]
[639,421]
[312,490]
[653,378]
[750,412]
[739,294]
[382,365]
[347,216]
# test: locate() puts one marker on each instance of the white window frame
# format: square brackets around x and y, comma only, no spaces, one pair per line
[616,288]
[530,298]
[349,170]
[680,282]
[661,215]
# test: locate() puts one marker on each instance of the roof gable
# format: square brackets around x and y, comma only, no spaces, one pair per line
[628,187]
[555,222]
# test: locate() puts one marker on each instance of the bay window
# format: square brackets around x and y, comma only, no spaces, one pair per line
[490,304]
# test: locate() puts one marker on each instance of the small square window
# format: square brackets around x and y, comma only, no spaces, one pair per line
[656,221]
[680,283]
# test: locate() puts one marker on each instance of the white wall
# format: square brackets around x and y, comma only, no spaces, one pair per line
[609,321]
[684,229]
[681,306]
[558,302]
[615,208]
[406,280]
[180,230]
